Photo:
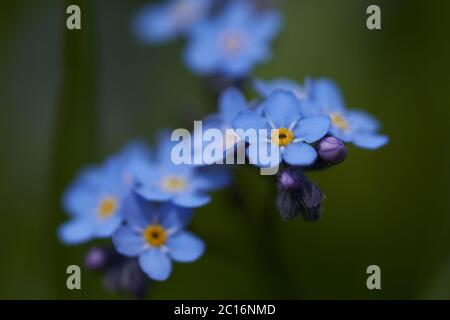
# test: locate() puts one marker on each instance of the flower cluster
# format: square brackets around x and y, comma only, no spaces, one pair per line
[144,201]
[229,42]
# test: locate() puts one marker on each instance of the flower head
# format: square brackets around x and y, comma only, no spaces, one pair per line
[233,42]
[156,235]
[289,132]
[323,97]
[163,22]
[184,185]
[94,200]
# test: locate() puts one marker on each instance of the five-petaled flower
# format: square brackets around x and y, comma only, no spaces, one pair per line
[233,42]
[156,235]
[94,200]
[285,131]
[163,22]
[323,97]
[184,185]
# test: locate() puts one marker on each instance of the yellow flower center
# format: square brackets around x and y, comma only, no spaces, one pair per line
[107,207]
[155,235]
[174,184]
[282,136]
[339,121]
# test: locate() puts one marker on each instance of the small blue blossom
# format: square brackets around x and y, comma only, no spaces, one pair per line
[184,185]
[94,200]
[231,102]
[158,23]
[233,42]
[323,97]
[156,235]
[289,132]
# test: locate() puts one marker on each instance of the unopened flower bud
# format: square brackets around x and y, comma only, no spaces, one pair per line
[290,178]
[311,200]
[99,258]
[332,150]
[127,277]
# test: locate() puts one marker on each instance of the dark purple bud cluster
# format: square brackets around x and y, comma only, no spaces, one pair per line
[297,195]
[120,274]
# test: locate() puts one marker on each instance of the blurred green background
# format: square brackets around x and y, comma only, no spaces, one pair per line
[72,98]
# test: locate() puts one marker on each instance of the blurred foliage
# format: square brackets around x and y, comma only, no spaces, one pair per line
[70,98]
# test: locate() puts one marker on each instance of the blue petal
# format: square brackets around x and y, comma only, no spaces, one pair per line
[247,119]
[282,108]
[174,217]
[266,25]
[299,154]
[313,128]
[156,264]
[133,211]
[265,88]
[239,66]
[231,102]
[370,141]
[201,54]
[361,120]
[264,155]
[128,242]
[154,24]
[76,231]
[192,200]
[105,228]
[153,193]
[185,247]
[328,95]
[212,178]
[82,194]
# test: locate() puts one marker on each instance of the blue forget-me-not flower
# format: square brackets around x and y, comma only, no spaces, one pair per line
[323,97]
[156,235]
[233,42]
[159,23]
[289,132]
[182,184]
[94,199]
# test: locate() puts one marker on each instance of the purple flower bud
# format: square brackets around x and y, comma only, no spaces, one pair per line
[98,258]
[332,150]
[311,199]
[290,178]
[127,277]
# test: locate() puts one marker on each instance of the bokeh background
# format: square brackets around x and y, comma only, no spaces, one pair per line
[69,98]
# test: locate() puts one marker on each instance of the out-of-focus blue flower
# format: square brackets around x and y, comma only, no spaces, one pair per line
[231,102]
[184,185]
[232,43]
[94,199]
[156,235]
[355,126]
[289,132]
[163,22]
